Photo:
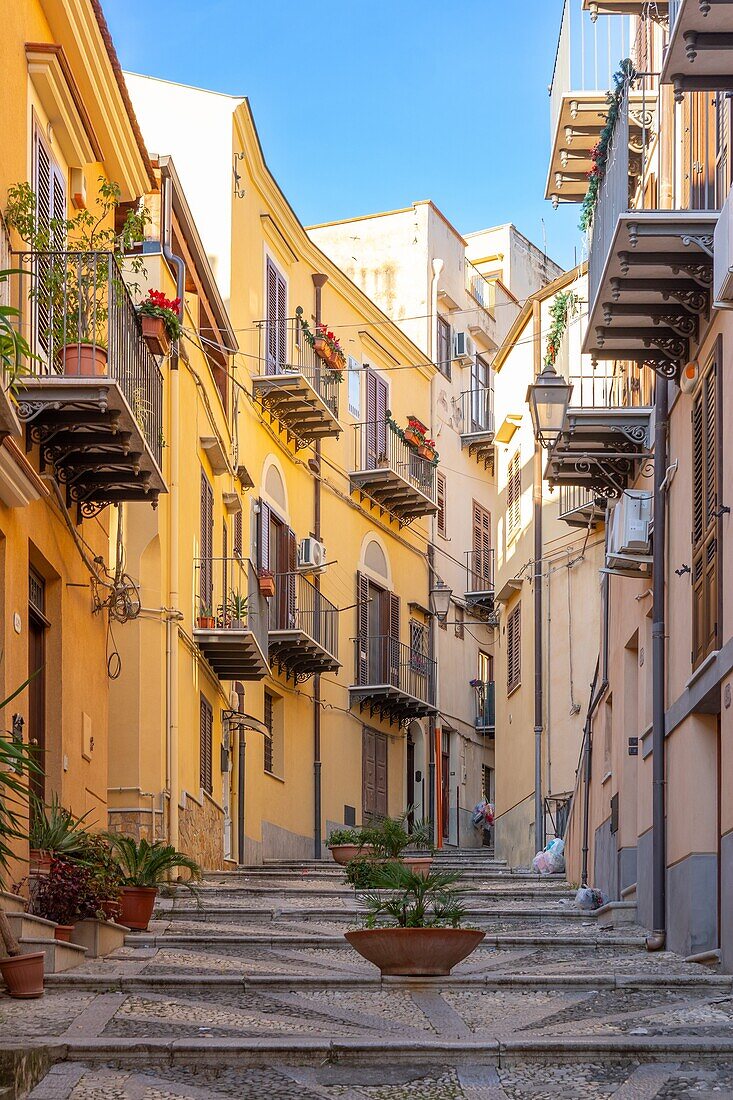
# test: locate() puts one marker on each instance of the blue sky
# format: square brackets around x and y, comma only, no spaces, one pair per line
[366,105]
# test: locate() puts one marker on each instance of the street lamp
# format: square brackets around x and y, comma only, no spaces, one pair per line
[548,399]
[440,596]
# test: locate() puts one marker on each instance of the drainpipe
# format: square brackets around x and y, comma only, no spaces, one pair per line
[319,281]
[242,746]
[539,830]
[657,940]
[174,522]
[437,267]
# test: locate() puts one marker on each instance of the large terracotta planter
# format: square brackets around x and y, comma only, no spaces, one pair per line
[415,952]
[419,864]
[84,361]
[344,853]
[23,975]
[136,906]
[155,334]
[63,932]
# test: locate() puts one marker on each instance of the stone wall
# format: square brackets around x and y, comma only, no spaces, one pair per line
[201,832]
[137,823]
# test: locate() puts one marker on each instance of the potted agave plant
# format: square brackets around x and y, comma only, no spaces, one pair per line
[161,323]
[55,832]
[237,609]
[205,619]
[413,924]
[143,868]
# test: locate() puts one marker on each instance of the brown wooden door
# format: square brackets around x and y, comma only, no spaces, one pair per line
[445,793]
[37,702]
[374,774]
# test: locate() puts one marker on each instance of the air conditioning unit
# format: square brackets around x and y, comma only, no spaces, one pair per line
[723,257]
[464,348]
[311,555]
[629,535]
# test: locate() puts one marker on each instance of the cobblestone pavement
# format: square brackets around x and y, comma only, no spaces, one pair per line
[271,1002]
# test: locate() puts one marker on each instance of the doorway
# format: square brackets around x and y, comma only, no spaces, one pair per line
[445,792]
[37,626]
[373,774]
[410,783]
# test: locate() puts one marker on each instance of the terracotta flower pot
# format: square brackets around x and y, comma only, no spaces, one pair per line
[111,909]
[63,932]
[322,349]
[267,586]
[205,622]
[344,853]
[415,952]
[84,361]
[426,452]
[420,865]
[412,437]
[23,974]
[155,334]
[136,906]
[40,862]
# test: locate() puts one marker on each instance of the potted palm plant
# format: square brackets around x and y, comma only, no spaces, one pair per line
[143,867]
[22,973]
[390,839]
[413,924]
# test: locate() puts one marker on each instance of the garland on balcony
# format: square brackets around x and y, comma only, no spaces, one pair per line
[599,153]
[564,307]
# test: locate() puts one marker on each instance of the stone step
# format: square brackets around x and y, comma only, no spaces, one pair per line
[480,916]
[616,913]
[60,956]
[12,903]
[520,892]
[492,941]
[27,926]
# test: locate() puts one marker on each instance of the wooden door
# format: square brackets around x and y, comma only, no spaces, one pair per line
[374,774]
[445,792]
[37,625]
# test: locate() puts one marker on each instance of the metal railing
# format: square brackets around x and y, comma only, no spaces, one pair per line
[481,289]
[575,498]
[383,660]
[299,605]
[611,384]
[613,198]
[228,597]
[284,349]
[480,570]
[477,410]
[485,691]
[74,309]
[587,54]
[377,446]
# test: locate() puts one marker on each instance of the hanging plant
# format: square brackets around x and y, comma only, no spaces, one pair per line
[599,153]
[565,306]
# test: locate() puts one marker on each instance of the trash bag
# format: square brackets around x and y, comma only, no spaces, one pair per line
[542,863]
[550,861]
[589,899]
[479,815]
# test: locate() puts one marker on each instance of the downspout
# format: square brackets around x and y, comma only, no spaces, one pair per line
[319,281]
[539,831]
[241,763]
[658,938]
[437,267]
[174,521]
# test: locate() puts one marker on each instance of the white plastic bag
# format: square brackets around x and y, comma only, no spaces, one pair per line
[589,899]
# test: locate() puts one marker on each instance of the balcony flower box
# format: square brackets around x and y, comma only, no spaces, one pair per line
[154,335]
[324,343]
[160,321]
[267,583]
[425,450]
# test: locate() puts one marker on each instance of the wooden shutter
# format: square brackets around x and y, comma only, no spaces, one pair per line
[394,639]
[50,191]
[377,397]
[362,629]
[514,495]
[481,543]
[514,649]
[237,539]
[206,728]
[206,574]
[263,536]
[440,488]
[380,774]
[705,519]
[269,725]
[444,347]
[368,774]
[224,565]
[276,319]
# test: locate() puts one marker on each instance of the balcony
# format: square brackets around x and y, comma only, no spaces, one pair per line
[303,629]
[480,581]
[392,680]
[581,507]
[391,474]
[297,389]
[699,56]
[587,57]
[230,618]
[485,719]
[607,434]
[650,271]
[477,416]
[482,290]
[93,402]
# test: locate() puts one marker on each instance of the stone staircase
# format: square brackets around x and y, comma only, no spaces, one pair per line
[250,990]
[36,934]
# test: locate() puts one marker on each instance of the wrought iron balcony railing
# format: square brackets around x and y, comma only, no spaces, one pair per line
[383,663]
[284,350]
[481,289]
[485,691]
[479,571]
[391,472]
[300,614]
[230,617]
[477,410]
[578,505]
[75,310]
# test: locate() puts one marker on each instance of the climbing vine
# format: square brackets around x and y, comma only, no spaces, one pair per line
[564,307]
[599,153]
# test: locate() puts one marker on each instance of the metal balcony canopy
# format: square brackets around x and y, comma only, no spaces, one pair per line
[601,450]
[700,52]
[390,703]
[303,629]
[233,653]
[653,288]
[620,7]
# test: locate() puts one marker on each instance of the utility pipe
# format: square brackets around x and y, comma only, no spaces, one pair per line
[539,831]
[242,746]
[437,828]
[319,280]
[657,940]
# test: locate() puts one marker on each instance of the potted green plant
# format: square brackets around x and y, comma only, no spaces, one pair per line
[143,867]
[346,845]
[413,924]
[54,831]
[389,838]
[237,610]
[266,580]
[68,893]
[107,878]
[416,433]
[324,343]
[77,273]
[22,973]
[205,619]
[160,320]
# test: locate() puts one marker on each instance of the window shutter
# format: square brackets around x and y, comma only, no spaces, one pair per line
[206,576]
[394,638]
[237,539]
[705,520]
[514,649]
[362,629]
[206,724]
[276,319]
[267,716]
[444,347]
[514,495]
[481,543]
[440,482]
[263,535]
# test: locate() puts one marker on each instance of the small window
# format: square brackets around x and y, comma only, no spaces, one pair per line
[206,733]
[444,347]
[459,627]
[514,496]
[440,482]
[274,757]
[514,649]
[418,647]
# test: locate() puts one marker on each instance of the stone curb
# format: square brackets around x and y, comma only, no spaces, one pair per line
[338,941]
